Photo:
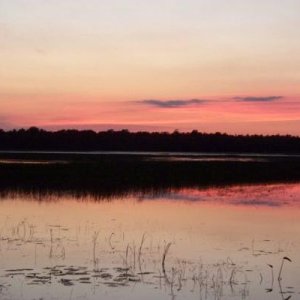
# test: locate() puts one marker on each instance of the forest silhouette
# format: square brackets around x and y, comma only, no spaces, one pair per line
[123,140]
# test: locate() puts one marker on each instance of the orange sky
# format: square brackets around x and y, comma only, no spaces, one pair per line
[92,65]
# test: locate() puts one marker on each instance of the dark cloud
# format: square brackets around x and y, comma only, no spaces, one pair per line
[259,99]
[172,103]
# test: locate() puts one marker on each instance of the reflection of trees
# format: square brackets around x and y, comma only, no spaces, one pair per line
[109,176]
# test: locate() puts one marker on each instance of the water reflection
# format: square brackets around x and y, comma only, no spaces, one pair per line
[273,195]
[213,243]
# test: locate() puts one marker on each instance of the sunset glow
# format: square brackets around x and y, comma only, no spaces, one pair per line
[211,65]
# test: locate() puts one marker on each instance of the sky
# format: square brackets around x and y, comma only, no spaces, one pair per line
[212,65]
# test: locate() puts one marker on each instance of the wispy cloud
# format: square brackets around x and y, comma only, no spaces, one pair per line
[189,102]
[259,99]
[172,103]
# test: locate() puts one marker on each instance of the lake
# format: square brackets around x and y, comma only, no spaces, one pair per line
[210,242]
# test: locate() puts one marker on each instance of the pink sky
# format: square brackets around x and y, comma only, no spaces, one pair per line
[66,64]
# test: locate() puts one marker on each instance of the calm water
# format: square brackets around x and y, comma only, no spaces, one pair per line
[218,243]
[152,153]
[162,155]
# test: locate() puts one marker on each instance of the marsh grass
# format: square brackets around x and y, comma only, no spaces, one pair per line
[213,281]
[285,258]
[140,252]
[95,258]
[272,277]
[166,250]
[57,248]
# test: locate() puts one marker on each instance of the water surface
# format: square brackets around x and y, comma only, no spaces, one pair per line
[219,243]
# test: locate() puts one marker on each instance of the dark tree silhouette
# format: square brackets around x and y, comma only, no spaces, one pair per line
[194,141]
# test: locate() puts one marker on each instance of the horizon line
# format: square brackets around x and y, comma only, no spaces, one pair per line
[178,131]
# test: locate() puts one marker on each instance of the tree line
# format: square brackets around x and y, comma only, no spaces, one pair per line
[124,140]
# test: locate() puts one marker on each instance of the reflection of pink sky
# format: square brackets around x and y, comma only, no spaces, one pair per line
[271,195]
[210,231]
[196,227]
[227,115]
